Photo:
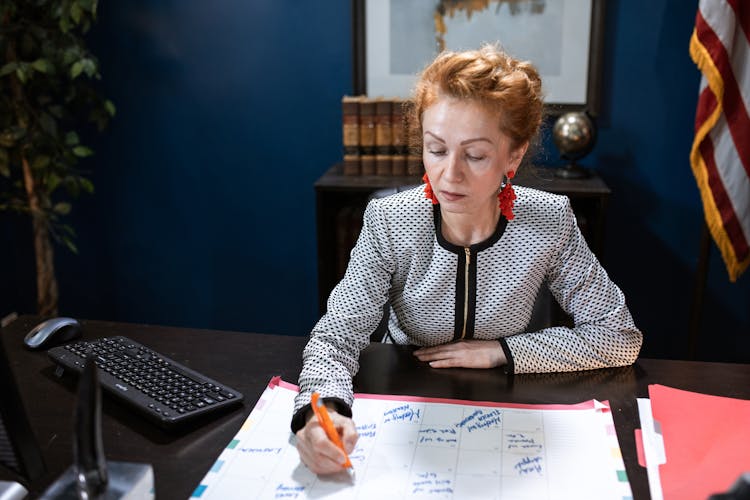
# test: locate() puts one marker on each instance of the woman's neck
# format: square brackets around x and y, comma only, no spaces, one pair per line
[468,229]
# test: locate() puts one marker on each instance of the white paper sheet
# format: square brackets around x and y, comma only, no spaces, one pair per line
[426,448]
[653,448]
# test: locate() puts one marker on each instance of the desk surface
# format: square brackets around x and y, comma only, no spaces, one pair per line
[247,361]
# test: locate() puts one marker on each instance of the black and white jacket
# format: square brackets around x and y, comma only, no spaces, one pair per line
[440,292]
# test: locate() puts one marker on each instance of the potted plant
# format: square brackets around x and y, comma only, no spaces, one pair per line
[47,97]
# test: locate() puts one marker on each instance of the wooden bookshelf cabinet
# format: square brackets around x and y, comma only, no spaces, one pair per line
[341,199]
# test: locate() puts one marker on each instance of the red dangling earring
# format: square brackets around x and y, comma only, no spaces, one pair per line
[506,197]
[428,190]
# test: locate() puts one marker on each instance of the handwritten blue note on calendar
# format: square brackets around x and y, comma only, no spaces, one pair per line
[411,447]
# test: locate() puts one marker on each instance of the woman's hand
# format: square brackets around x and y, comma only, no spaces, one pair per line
[464,354]
[318,452]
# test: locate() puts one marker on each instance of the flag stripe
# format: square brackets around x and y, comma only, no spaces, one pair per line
[724,28]
[706,106]
[728,218]
[742,12]
[733,104]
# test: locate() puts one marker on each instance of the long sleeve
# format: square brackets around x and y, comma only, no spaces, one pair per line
[355,308]
[603,335]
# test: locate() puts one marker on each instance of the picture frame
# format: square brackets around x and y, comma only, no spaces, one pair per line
[392,42]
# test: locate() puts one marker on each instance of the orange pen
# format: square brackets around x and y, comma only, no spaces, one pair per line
[321,412]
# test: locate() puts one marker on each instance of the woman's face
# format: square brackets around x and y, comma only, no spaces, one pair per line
[466,155]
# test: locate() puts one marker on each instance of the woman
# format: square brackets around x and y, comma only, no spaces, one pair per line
[461,259]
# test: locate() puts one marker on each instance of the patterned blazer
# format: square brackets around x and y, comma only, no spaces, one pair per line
[440,292]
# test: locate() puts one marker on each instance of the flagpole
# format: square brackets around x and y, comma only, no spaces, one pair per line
[699,289]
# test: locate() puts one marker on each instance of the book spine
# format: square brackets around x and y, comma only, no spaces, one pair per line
[398,128]
[367,164]
[352,164]
[383,164]
[398,164]
[383,129]
[367,126]
[350,124]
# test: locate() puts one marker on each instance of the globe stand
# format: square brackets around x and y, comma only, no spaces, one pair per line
[572,171]
[574,135]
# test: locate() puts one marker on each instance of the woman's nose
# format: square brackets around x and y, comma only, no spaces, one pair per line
[453,168]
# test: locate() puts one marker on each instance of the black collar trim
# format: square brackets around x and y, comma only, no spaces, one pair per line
[477,247]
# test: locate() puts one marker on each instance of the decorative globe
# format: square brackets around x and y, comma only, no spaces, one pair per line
[574,135]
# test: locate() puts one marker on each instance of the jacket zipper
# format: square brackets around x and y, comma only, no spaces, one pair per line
[466,291]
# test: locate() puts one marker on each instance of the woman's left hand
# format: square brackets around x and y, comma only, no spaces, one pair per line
[464,354]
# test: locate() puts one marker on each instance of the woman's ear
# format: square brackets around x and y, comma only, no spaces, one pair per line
[517,155]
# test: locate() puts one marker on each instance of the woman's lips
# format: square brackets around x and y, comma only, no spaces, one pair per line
[448,196]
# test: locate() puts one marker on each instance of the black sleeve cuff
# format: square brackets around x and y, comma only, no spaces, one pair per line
[300,418]
[508,368]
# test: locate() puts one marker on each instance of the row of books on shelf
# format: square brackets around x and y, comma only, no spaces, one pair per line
[383,164]
[375,137]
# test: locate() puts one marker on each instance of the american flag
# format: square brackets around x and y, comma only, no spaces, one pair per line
[720,156]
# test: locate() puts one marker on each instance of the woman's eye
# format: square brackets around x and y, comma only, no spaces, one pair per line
[436,152]
[474,158]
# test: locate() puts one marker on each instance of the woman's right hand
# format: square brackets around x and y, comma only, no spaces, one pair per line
[317,451]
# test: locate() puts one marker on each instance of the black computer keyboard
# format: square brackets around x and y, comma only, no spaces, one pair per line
[163,390]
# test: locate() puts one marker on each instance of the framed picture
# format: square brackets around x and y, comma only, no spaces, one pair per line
[394,39]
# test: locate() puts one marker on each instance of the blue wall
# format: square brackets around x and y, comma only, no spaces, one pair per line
[227,113]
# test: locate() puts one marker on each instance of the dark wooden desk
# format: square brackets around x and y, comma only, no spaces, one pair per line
[247,362]
[243,361]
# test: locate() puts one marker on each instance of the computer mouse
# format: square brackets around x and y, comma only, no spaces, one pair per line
[52,332]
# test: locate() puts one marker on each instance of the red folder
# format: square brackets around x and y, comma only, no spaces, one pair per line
[706,441]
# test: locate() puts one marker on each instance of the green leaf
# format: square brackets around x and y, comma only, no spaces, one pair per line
[48,123]
[76,69]
[75,12]
[53,180]
[8,68]
[62,208]
[72,186]
[69,243]
[64,24]
[88,5]
[82,151]
[21,74]
[42,66]
[70,55]
[87,185]
[71,138]
[40,162]
[89,67]
[110,107]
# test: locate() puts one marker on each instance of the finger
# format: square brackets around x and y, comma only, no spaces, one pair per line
[349,435]
[446,363]
[324,447]
[433,354]
[433,349]
[321,463]
[317,452]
